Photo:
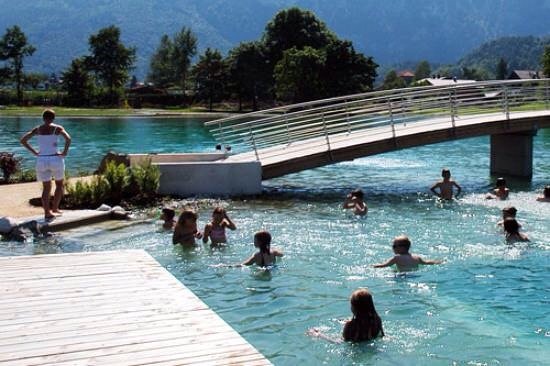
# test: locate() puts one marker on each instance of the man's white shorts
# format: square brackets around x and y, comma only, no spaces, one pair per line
[48,166]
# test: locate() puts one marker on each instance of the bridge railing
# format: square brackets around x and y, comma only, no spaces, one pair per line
[321,122]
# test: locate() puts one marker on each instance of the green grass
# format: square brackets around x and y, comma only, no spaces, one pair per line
[97,112]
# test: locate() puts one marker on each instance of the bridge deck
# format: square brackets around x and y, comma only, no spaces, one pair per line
[310,153]
[108,308]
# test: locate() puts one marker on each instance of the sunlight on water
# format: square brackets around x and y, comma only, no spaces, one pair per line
[487,304]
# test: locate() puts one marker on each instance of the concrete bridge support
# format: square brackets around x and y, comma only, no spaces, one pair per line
[512,154]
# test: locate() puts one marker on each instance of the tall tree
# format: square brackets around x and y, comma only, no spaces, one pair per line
[423,70]
[346,71]
[502,69]
[78,83]
[14,48]
[161,70]
[210,75]
[184,49]
[545,61]
[33,79]
[110,60]
[392,81]
[298,75]
[297,28]
[248,74]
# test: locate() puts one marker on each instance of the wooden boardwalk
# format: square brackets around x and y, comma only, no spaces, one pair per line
[108,308]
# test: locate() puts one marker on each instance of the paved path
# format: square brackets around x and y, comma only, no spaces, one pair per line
[14,199]
[108,308]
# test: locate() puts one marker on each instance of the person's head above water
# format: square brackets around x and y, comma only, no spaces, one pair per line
[511,226]
[361,303]
[357,193]
[48,115]
[546,192]
[262,240]
[445,173]
[509,211]
[501,182]
[401,244]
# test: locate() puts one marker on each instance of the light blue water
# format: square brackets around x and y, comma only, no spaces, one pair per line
[488,304]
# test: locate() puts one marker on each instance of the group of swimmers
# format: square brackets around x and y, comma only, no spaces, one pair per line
[365,324]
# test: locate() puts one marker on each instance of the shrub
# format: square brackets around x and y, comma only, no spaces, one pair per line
[27,175]
[117,176]
[9,164]
[145,177]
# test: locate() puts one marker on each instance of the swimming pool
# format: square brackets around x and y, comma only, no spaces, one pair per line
[487,304]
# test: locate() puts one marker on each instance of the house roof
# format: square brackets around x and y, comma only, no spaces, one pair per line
[526,74]
[405,74]
[446,81]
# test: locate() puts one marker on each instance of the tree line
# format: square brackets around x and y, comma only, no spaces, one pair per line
[296,59]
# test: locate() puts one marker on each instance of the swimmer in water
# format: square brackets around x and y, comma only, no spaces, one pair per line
[445,186]
[500,192]
[265,256]
[403,260]
[354,201]
[545,195]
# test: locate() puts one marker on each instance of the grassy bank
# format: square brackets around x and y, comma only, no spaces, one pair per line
[103,112]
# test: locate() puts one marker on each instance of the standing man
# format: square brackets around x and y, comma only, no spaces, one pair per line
[49,162]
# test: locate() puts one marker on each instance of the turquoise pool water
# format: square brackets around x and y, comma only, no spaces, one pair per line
[488,304]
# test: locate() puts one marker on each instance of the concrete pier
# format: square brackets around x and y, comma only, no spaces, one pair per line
[512,154]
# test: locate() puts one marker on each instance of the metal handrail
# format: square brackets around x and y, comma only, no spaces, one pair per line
[359,113]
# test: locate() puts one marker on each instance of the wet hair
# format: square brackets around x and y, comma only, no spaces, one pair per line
[218,210]
[445,172]
[511,226]
[501,182]
[509,211]
[187,214]
[402,241]
[264,239]
[366,323]
[357,193]
[168,213]
[546,191]
[218,146]
[48,114]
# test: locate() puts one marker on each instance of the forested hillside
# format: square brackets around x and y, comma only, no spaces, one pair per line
[390,31]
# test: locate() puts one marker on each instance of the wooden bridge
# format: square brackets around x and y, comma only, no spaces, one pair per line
[308,135]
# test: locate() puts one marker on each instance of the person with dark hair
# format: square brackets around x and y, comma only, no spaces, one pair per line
[445,186]
[545,195]
[215,229]
[403,260]
[50,162]
[511,229]
[365,325]
[508,211]
[167,216]
[265,256]
[355,201]
[500,191]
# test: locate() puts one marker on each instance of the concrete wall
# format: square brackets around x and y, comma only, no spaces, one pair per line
[175,158]
[512,154]
[216,178]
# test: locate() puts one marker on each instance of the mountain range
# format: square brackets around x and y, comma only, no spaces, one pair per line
[440,31]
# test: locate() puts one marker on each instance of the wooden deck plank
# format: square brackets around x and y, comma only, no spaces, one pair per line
[112,308]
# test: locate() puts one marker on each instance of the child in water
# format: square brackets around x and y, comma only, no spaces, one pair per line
[365,325]
[508,211]
[266,256]
[500,191]
[445,186]
[545,195]
[167,216]
[511,228]
[186,230]
[404,260]
[354,201]
[215,230]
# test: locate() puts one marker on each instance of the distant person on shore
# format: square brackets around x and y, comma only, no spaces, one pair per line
[500,191]
[545,195]
[186,230]
[403,260]
[365,325]
[215,229]
[508,211]
[354,201]
[511,228]
[445,186]
[167,216]
[265,256]
[50,162]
